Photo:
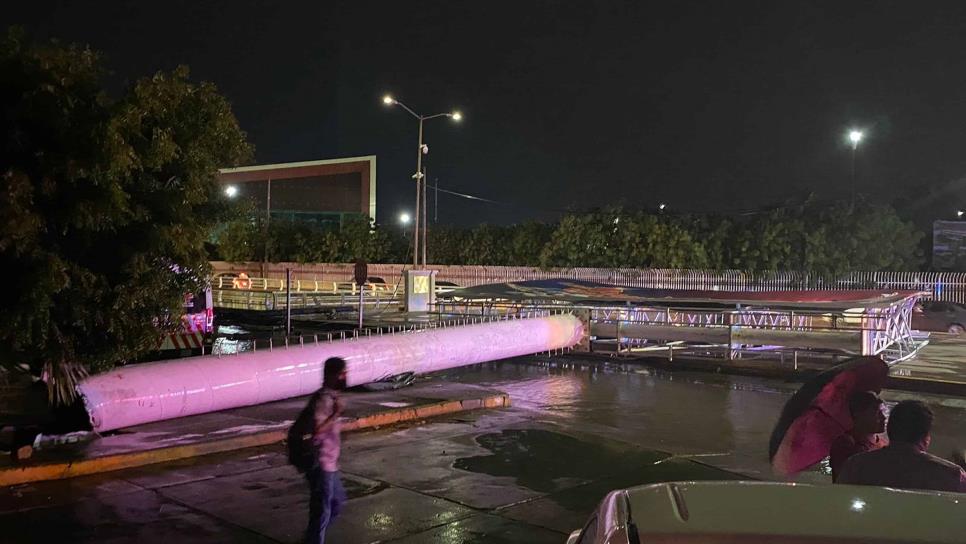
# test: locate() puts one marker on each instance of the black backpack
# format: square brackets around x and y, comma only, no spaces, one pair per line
[302,452]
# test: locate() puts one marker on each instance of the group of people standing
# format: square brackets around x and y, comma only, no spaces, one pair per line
[899,460]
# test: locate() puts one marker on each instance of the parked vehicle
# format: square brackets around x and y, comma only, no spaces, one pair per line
[197,326]
[939,317]
[378,284]
[224,280]
[445,286]
[764,512]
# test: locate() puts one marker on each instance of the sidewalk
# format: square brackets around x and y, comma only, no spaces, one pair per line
[241,428]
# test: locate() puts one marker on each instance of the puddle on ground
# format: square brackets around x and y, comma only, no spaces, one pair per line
[576,473]
[540,459]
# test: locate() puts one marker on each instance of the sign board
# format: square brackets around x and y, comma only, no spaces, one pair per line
[949,246]
[420,290]
[420,285]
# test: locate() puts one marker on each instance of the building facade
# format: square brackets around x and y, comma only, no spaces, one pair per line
[323,192]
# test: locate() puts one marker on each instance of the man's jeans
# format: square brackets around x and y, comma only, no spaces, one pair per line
[325,503]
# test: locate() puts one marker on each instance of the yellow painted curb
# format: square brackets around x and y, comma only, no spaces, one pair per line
[81,467]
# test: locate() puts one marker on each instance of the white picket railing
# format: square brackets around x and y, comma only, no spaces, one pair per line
[945,286]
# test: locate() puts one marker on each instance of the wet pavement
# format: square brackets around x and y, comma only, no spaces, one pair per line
[237,427]
[530,473]
[724,420]
[943,359]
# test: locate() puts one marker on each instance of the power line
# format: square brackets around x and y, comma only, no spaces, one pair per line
[674,211]
[498,202]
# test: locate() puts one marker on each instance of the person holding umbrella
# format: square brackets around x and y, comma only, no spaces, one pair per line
[821,412]
[868,421]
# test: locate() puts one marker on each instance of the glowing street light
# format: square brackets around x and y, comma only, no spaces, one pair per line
[661,206]
[231,191]
[855,136]
[421,150]
[959,214]
[404,218]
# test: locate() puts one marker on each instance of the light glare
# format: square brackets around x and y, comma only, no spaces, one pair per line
[858,505]
[388,100]
[231,191]
[404,218]
[855,136]
[457,116]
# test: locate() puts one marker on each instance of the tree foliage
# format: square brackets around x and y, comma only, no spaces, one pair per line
[109,203]
[828,239]
[250,237]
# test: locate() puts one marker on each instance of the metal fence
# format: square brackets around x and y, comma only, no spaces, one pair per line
[942,286]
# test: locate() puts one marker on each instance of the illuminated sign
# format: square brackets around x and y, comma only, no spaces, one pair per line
[420,285]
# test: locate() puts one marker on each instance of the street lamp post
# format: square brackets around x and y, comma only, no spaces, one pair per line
[421,150]
[855,136]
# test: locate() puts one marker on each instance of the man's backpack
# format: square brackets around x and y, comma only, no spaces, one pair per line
[302,452]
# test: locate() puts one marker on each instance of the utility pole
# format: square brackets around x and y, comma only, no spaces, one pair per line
[419,176]
[425,214]
[268,215]
[855,136]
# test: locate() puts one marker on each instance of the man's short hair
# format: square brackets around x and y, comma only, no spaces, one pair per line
[332,368]
[909,422]
[862,401]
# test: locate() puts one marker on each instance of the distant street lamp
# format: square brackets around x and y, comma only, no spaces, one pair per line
[855,136]
[661,206]
[421,150]
[404,218]
[959,214]
[231,191]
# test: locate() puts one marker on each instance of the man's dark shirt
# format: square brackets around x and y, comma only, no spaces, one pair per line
[903,466]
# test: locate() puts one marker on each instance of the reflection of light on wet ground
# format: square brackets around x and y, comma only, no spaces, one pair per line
[227,342]
[558,392]
[229,330]
[682,412]
[227,346]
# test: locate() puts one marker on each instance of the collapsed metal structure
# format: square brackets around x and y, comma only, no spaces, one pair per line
[161,390]
[716,323]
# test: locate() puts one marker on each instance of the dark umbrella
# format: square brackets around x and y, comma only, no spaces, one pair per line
[818,413]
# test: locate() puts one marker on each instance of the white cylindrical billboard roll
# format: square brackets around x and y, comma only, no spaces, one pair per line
[148,392]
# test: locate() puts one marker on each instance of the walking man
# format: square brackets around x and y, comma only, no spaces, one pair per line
[327,494]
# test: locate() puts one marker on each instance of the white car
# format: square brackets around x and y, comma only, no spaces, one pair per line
[763,512]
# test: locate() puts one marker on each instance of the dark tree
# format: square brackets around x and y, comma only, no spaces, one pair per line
[107,205]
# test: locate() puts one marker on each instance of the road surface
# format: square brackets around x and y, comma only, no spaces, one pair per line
[530,473]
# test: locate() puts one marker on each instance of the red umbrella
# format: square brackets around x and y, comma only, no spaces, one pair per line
[818,413]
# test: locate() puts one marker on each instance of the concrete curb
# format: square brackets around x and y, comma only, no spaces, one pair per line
[60,470]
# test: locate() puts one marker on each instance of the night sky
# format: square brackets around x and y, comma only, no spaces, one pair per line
[703,105]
